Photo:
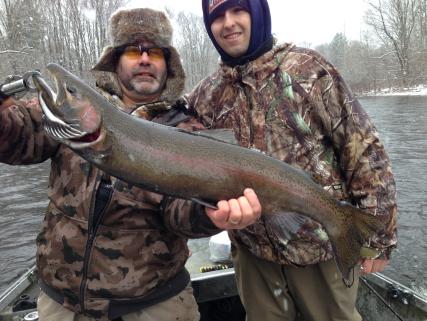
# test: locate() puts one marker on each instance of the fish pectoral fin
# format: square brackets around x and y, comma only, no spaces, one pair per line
[284,226]
[204,203]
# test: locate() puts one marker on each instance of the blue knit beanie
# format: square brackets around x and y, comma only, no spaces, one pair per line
[261,38]
[217,7]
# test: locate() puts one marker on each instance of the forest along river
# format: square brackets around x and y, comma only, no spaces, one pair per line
[401,122]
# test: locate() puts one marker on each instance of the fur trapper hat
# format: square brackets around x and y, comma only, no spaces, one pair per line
[128,26]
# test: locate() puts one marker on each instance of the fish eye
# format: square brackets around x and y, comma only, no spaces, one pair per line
[72,90]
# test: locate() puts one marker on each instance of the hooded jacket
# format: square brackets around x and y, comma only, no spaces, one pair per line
[132,252]
[293,105]
[261,39]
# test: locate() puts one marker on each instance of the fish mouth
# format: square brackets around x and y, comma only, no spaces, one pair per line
[55,122]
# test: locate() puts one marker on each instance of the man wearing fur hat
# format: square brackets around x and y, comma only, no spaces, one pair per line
[109,250]
[293,105]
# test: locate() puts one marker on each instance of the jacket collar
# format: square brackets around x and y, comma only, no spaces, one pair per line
[255,72]
[145,111]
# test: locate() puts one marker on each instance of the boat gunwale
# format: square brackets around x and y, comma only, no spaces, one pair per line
[202,282]
[386,282]
[17,287]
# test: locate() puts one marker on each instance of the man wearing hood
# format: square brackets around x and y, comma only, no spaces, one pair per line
[109,250]
[293,105]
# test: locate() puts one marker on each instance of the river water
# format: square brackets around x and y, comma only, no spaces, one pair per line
[401,121]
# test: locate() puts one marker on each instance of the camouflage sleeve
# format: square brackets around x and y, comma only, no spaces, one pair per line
[22,138]
[191,97]
[187,218]
[197,102]
[364,162]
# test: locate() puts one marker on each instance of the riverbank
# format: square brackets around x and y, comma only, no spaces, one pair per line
[420,90]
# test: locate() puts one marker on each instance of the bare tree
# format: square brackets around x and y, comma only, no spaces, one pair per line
[18,34]
[69,32]
[420,46]
[422,22]
[197,52]
[364,65]
[393,22]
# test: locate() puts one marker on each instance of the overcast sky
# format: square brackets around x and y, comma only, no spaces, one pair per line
[309,22]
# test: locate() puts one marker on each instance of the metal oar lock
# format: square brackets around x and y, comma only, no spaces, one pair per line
[17,86]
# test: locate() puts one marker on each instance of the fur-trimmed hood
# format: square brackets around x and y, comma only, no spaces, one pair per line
[128,26]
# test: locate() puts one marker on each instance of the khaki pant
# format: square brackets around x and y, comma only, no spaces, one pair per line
[273,292]
[182,307]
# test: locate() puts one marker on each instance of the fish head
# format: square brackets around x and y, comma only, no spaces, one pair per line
[72,114]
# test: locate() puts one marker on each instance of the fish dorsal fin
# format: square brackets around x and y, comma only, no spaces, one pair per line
[224,135]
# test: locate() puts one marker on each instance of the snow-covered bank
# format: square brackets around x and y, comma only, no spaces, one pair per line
[415,91]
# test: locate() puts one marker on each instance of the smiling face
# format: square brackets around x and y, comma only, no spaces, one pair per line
[142,77]
[232,31]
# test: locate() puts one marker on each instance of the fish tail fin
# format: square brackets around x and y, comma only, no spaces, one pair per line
[347,241]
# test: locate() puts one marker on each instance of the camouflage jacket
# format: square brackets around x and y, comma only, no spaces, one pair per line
[293,105]
[137,245]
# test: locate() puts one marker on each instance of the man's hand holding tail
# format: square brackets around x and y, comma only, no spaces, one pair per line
[236,213]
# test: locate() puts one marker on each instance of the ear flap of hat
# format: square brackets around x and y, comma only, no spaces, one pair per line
[176,78]
[108,81]
[106,61]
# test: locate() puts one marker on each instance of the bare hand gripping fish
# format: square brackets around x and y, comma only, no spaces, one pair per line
[193,166]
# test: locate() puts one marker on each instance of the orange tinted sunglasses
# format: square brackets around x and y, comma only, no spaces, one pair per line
[136,51]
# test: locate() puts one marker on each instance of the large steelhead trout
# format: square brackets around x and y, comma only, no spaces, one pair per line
[193,166]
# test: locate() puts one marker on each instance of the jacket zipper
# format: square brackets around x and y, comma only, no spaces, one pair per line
[92,229]
[250,105]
